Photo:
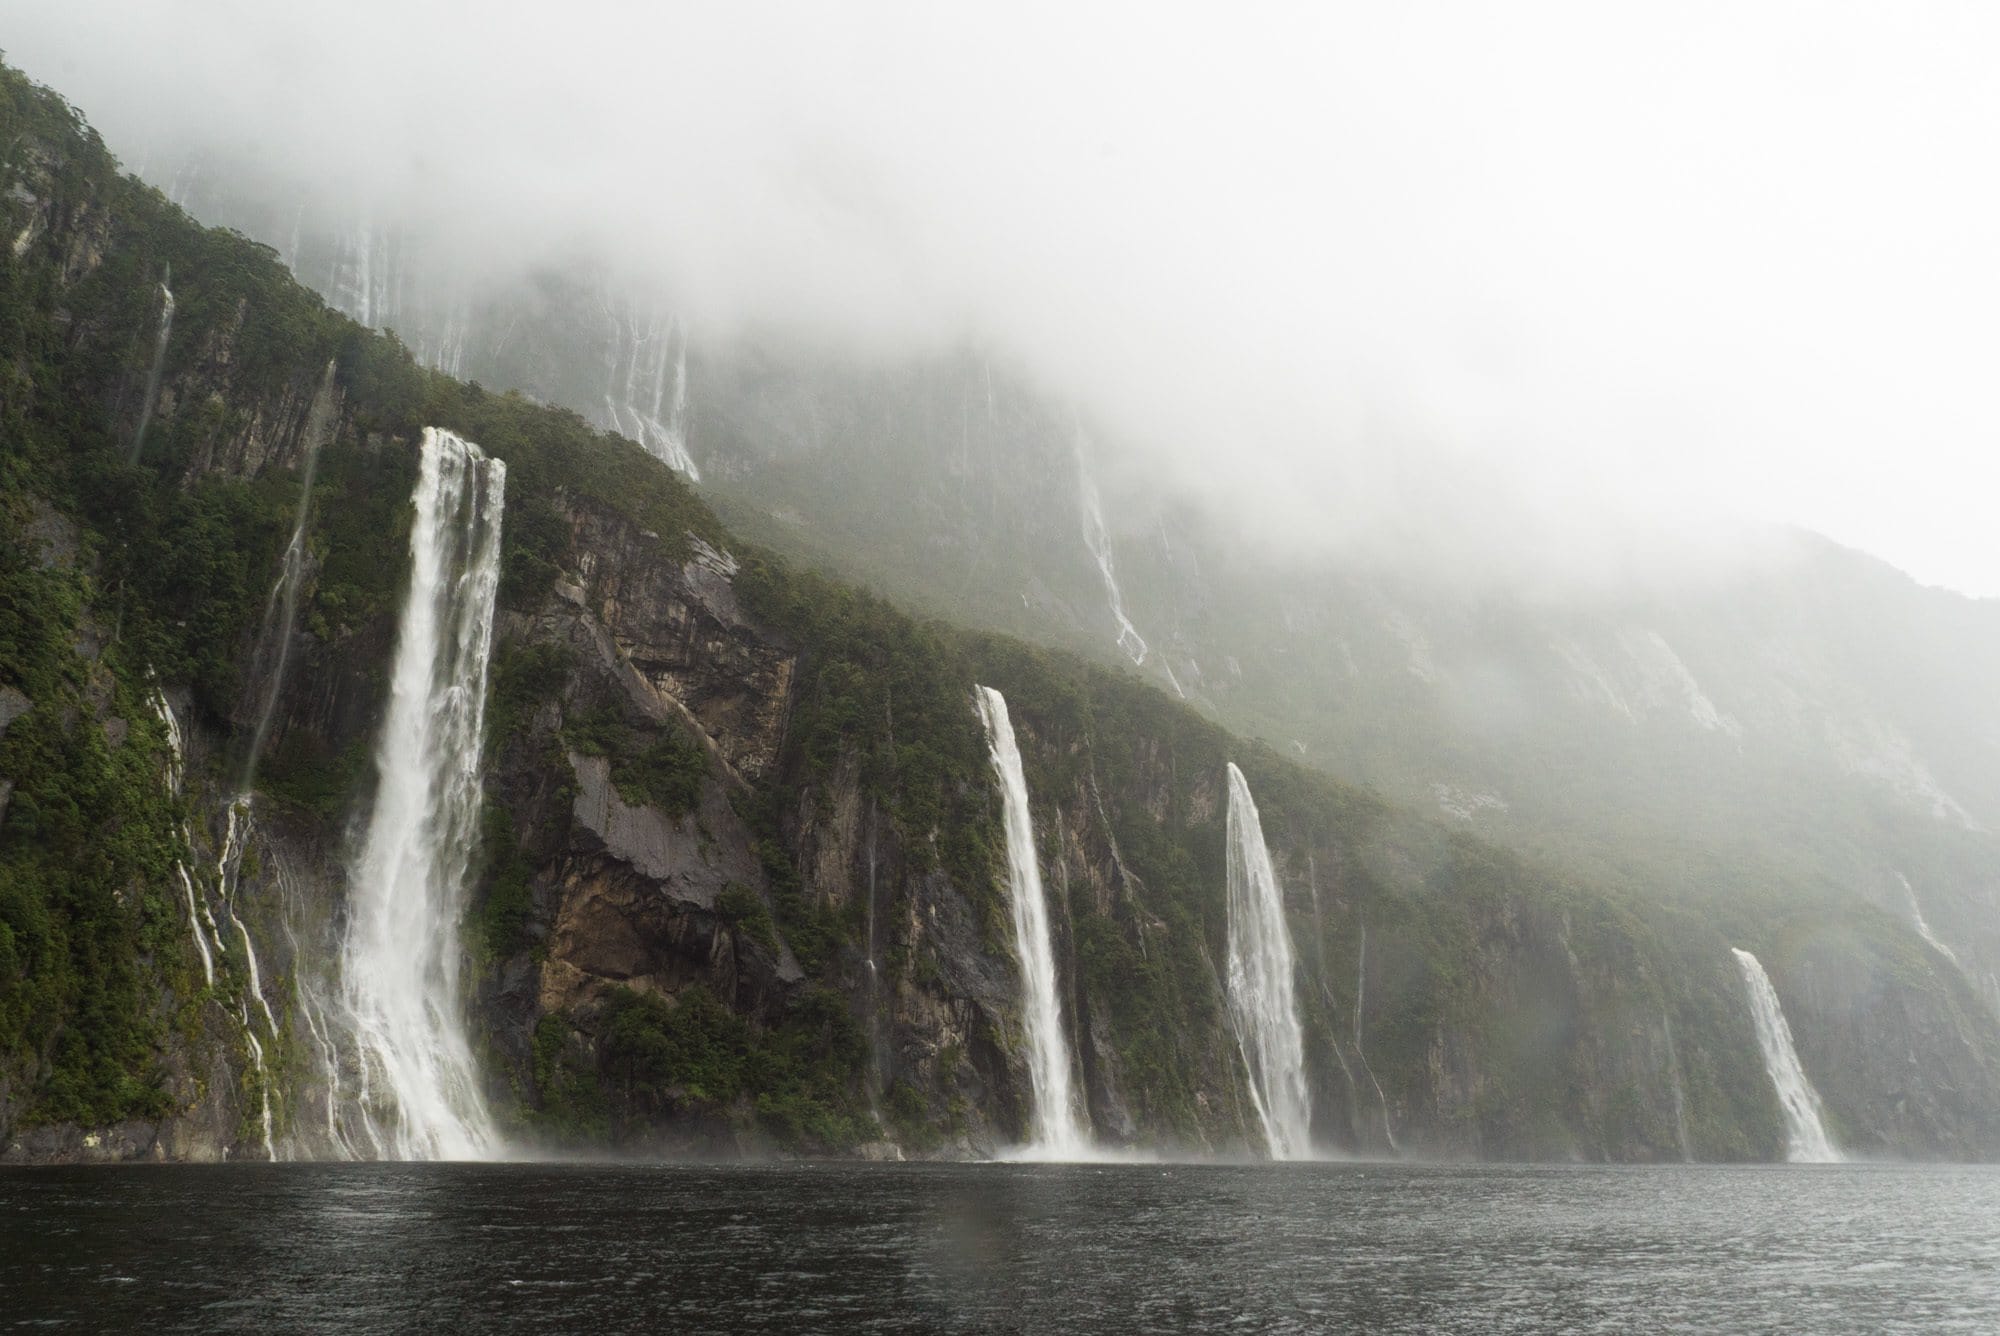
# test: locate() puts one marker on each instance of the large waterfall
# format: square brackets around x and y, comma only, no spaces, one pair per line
[1262,999]
[1055,1131]
[400,962]
[166,331]
[1806,1141]
[281,606]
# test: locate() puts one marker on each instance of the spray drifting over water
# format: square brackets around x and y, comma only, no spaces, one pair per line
[281,607]
[159,361]
[1055,1132]
[1806,1141]
[401,957]
[1262,998]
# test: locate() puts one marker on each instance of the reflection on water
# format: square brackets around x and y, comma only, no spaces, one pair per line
[1110,1247]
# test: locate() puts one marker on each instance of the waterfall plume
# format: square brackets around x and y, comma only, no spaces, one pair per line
[1806,1139]
[1055,1130]
[1263,1002]
[400,960]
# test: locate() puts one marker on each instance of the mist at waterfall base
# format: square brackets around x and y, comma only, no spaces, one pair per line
[1084,1248]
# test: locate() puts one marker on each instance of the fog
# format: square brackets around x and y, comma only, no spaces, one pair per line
[1543,280]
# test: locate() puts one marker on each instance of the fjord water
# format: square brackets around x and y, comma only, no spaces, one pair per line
[400,962]
[1806,1139]
[1000,1247]
[1263,1001]
[1055,1132]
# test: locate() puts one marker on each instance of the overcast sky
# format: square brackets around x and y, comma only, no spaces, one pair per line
[1323,263]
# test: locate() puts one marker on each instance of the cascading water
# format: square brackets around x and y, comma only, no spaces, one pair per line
[1262,995]
[209,943]
[1360,1010]
[1923,925]
[1680,1092]
[1806,1139]
[1056,1132]
[159,361]
[400,962]
[1098,539]
[227,868]
[175,761]
[281,607]
[878,1056]
[642,361]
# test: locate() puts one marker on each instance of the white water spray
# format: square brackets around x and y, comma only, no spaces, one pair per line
[1923,926]
[1806,1140]
[1098,539]
[401,957]
[281,606]
[642,361]
[159,361]
[1263,1002]
[1055,1131]
[175,763]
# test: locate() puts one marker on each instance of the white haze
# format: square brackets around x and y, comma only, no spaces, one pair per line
[1510,278]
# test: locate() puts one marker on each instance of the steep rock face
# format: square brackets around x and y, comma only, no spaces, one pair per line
[739,883]
[1898,1044]
[632,896]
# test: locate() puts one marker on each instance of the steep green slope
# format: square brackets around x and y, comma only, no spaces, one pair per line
[740,882]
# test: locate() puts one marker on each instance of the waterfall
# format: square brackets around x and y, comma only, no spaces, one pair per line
[878,1058]
[1923,926]
[1805,1131]
[1680,1094]
[674,434]
[640,365]
[209,944]
[1098,539]
[401,954]
[1262,998]
[175,762]
[159,361]
[281,606]
[1055,1130]
[1360,1007]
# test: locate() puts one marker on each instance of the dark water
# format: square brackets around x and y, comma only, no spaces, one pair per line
[999,1248]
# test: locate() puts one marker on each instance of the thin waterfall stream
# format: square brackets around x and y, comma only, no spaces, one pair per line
[281,606]
[166,332]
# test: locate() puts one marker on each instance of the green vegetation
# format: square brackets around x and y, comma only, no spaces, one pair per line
[158,571]
[695,1054]
[85,854]
[505,904]
[739,907]
[659,765]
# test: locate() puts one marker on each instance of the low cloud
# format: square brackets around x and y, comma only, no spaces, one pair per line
[1493,284]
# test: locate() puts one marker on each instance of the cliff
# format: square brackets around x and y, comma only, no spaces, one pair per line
[740,883]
